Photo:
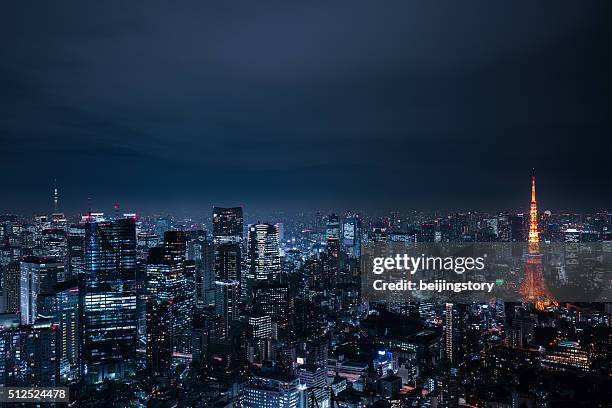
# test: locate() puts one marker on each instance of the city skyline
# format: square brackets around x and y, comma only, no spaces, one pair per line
[113,207]
[297,205]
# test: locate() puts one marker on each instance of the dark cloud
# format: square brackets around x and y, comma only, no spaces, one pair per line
[354,104]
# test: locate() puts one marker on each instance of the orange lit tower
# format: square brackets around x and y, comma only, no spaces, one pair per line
[532,288]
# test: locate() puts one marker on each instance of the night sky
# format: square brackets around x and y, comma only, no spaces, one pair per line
[286,105]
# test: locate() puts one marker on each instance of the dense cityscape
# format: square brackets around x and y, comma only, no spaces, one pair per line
[131,310]
[306,205]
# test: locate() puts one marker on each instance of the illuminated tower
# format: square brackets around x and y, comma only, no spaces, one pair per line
[534,237]
[108,301]
[532,288]
[55,196]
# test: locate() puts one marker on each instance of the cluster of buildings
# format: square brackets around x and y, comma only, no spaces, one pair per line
[158,311]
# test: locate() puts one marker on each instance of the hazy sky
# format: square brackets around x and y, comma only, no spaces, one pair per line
[162,106]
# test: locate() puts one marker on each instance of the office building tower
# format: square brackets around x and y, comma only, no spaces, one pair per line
[332,262]
[109,318]
[28,353]
[228,225]
[272,299]
[264,264]
[75,241]
[227,262]
[351,235]
[272,390]
[263,330]
[38,275]
[449,332]
[52,243]
[12,287]
[159,336]
[332,229]
[205,273]
[206,332]
[170,302]
[314,380]
[227,298]
[66,317]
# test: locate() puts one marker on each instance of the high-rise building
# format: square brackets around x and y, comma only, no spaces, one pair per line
[228,225]
[263,330]
[66,317]
[12,287]
[351,235]
[227,262]
[332,262]
[38,275]
[28,353]
[205,274]
[272,299]
[449,332]
[227,298]
[158,336]
[75,241]
[314,379]
[268,390]
[264,264]
[171,284]
[109,319]
[332,229]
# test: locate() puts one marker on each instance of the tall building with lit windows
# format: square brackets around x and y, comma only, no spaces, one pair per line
[228,225]
[172,288]
[264,265]
[28,353]
[227,298]
[66,316]
[272,390]
[109,318]
[228,262]
[38,275]
[351,235]
[449,332]
[314,379]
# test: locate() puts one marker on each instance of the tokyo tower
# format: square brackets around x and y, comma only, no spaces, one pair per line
[532,288]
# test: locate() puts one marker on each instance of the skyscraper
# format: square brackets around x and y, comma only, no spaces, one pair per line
[263,256]
[227,298]
[11,287]
[28,353]
[228,225]
[205,273]
[227,262]
[170,287]
[66,316]
[38,275]
[332,229]
[314,379]
[351,235]
[109,319]
[449,332]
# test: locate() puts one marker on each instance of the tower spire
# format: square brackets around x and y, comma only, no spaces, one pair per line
[533,214]
[55,196]
[533,190]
